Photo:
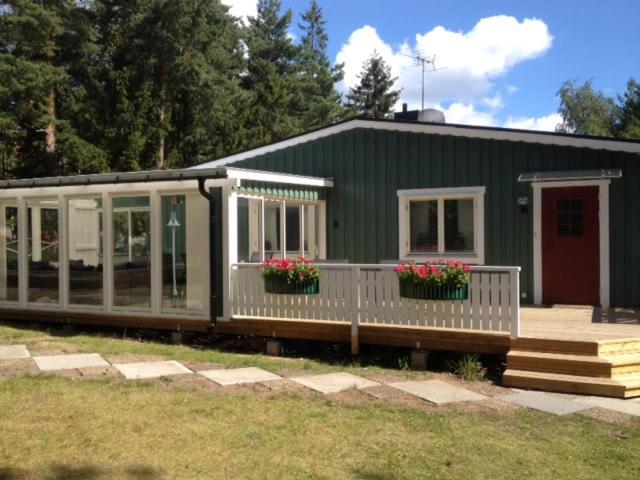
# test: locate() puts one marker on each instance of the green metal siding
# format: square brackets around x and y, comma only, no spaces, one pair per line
[369,166]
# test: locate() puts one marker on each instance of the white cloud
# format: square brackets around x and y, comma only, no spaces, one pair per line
[546,123]
[470,61]
[242,8]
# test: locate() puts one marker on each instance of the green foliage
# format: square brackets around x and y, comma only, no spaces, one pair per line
[466,366]
[301,271]
[374,96]
[433,274]
[586,111]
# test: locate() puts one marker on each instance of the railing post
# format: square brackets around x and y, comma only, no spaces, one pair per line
[514,283]
[355,309]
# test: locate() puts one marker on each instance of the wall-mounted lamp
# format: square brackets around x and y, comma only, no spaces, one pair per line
[523,203]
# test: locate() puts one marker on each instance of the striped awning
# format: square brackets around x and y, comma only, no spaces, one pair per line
[274,190]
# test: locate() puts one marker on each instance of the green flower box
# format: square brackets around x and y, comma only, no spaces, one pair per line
[410,289]
[279,286]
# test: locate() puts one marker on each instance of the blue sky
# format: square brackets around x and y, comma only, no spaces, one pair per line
[503,60]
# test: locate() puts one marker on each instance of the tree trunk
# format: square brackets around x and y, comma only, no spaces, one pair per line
[160,158]
[50,131]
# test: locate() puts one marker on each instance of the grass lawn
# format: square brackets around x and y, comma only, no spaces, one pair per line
[56,426]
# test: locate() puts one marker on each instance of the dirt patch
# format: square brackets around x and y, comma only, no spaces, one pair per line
[53,347]
[609,416]
[89,373]
[23,366]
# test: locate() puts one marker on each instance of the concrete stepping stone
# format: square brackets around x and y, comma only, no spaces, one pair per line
[13,352]
[334,382]
[545,402]
[236,376]
[615,404]
[142,370]
[52,363]
[438,392]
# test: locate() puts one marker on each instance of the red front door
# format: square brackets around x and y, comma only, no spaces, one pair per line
[570,246]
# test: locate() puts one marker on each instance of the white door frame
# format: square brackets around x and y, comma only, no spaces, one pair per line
[603,215]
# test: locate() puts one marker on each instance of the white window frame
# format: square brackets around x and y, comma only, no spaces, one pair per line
[405,197]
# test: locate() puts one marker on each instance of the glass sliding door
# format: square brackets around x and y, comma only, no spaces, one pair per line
[184,234]
[292,228]
[249,230]
[85,251]
[131,252]
[311,228]
[43,251]
[8,252]
[272,230]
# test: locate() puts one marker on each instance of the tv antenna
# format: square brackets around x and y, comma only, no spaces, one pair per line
[423,60]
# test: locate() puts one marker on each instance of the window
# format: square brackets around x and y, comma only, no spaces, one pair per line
[570,218]
[131,252]
[183,243]
[85,251]
[43,251]
[8,252]
[297,223]
[442,223]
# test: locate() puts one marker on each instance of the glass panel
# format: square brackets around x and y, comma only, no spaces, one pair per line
[272,247]
[423,226]
[249,230]
[42,251]
[131,252]
[292,226]
[570,218]
[85,251]
[458,225]
[183,252]
[311,231]
[9,252]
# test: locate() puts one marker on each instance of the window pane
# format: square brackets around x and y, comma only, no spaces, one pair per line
[458,225]
[85,251]
[183,252]
[42,251]
[131,252]
[310,231]
[424,226]
[249,230]
[272,230]
[293,231]
[9,252]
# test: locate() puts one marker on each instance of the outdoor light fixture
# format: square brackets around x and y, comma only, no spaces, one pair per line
[523,203]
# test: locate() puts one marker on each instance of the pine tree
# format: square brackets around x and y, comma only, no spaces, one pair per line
[172,76]
[627,123]
[39,44]
[319,102]
[373,97]
[270,74]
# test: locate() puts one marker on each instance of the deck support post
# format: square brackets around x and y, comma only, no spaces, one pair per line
[355,316]
[274,347]
[419,359]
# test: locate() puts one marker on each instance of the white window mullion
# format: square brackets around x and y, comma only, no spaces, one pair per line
[156,252]
[23,261]
[107,251]
[302,229]
[63,250]
[261,236]
[283,229]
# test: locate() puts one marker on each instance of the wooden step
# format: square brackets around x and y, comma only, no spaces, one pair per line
[557,382]
[628,346]
[571,347]
[570,364]
[624,364]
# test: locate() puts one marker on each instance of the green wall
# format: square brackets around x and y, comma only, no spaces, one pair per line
[368,167]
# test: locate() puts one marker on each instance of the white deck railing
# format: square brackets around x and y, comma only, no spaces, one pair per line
[369,294]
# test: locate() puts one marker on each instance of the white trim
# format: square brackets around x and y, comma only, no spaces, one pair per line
[603,227]
[271,177]
[443,129]
[441,194]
